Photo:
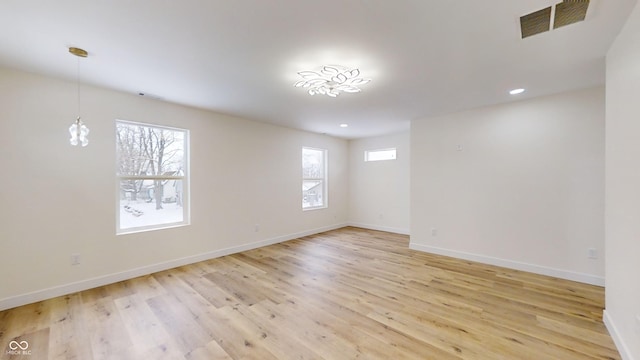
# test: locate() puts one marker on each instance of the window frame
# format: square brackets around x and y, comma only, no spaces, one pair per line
[185,178]
[368,159]
[324,180]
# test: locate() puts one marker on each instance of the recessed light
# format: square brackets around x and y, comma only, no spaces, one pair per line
[516,91]
[344,125]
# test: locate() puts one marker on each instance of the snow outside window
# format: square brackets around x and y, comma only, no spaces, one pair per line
[153,177]
[314,184]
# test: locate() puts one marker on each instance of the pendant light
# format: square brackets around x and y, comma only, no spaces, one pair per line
[78,129]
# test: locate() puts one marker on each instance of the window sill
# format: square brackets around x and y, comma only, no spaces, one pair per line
[314,208]
[150,228]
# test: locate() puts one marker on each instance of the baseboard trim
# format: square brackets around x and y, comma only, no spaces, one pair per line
[536,269]
[624,351]
[380,228]
[35,296]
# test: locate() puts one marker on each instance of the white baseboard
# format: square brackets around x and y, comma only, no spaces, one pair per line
[380,228]
[536,269]
[86,284]
[624,351]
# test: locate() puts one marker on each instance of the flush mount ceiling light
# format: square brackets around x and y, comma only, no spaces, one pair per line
[331,81]
[78,130]
[516,91]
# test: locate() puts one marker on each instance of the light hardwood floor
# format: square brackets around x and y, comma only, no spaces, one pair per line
[344,294]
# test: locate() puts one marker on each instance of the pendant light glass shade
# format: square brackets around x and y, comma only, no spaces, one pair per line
[78,133]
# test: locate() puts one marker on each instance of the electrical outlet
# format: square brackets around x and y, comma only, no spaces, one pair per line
[256,228]
[592,253]
[434,232]
[75,259]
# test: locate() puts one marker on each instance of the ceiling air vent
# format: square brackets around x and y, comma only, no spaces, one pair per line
[536,22]
[569,12]
[566,13]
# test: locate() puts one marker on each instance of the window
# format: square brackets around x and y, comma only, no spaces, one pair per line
[153,177]
[379,155]
[314,184]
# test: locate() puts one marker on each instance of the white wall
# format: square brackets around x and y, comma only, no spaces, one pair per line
[57,199]
[379,190]
[622,314]
[526,190]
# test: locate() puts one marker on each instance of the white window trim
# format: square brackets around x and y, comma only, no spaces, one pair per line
[186,179]
[325,180]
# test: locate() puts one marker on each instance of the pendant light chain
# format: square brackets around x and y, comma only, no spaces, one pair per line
[78,83]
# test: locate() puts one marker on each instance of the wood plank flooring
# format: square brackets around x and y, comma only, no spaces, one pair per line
[345,294]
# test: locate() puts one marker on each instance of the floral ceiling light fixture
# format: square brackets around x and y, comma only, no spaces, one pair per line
[331,80]
[78,130]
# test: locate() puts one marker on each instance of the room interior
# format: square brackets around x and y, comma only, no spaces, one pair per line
[541,182]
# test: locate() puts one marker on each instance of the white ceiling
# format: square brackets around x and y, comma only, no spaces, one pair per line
[241,57]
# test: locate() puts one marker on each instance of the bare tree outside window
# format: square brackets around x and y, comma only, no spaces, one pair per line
[152,173]
[313,178]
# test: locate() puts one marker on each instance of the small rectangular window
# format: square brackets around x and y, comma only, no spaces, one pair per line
[314,182]
[153,177]
[380,155]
